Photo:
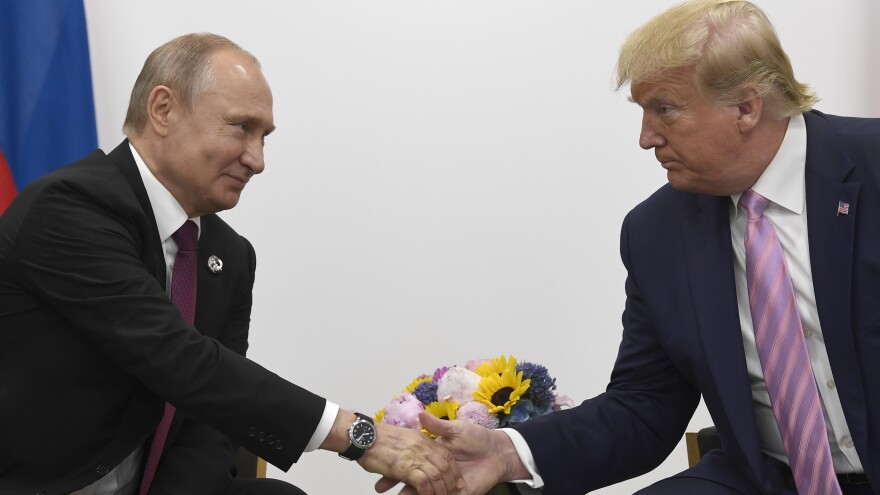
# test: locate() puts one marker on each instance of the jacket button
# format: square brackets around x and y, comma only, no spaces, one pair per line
[252,431]
[278,445]
[261,436]
[102,470]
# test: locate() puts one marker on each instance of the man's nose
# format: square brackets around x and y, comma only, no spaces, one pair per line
[253,157]
[648,137]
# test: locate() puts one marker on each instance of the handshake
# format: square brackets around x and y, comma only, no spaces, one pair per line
[464,459]
[439,436]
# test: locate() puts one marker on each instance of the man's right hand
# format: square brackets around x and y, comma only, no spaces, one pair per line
[485,457]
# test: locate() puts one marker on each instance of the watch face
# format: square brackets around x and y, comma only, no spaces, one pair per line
[363,434]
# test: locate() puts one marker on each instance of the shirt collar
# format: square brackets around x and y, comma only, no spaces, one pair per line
[168,212]
[783,180]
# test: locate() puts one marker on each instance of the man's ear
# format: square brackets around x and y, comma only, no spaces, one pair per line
[160,109]
[750,112]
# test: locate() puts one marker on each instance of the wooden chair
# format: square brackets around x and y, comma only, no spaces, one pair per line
[698,443]
[249,465]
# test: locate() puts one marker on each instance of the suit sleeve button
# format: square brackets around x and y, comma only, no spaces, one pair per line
[278,445]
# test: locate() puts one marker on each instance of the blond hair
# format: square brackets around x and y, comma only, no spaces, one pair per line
[731,46]
[183,65]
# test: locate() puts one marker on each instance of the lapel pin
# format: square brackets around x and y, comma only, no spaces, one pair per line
[842,208]
[215,264]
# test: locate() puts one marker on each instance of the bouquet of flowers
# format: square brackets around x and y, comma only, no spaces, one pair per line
[492,393]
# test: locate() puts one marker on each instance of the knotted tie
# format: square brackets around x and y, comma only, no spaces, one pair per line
[784,357]
[183,294]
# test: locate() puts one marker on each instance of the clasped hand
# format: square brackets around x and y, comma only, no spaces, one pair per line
[465,459]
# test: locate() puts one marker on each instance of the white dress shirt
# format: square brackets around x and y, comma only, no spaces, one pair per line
[783,184]
[170,215]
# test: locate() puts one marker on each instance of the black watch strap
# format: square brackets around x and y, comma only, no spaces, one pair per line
[354,452]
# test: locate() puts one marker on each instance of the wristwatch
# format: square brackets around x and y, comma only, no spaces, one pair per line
[361,435]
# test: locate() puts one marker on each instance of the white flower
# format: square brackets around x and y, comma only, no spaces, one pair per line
[458,384]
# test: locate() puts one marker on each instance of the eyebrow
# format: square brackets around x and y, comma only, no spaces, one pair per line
[661,96]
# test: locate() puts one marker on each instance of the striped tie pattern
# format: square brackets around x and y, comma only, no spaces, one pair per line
[183,294]
[784,357]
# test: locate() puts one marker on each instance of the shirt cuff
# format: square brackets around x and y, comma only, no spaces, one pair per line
[324,426]
[525,455]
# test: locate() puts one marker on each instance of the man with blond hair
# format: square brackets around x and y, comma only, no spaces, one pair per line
[753,279]
[125,305]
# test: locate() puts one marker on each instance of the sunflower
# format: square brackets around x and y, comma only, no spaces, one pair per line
[379,416]
[496,366]
[415,383]
[447,409]
[501,391]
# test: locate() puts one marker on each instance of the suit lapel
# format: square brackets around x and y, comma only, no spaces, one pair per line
[153,252]
[209,286]
[711,276]
[831,260]
[210,283]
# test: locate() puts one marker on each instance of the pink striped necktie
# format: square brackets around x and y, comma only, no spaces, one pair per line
[183,294]
[784,357]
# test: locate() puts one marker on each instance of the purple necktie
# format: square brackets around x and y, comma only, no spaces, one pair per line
[784,357]
[183,294]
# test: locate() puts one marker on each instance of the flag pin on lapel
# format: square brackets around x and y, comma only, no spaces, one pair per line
[216,264]
[842,208]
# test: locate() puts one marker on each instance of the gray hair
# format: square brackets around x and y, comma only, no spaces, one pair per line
[184,65]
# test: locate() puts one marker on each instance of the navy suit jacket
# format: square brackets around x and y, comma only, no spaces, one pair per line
[681,330]
[91,347]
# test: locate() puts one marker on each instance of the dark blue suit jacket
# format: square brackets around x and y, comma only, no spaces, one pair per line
[681,330]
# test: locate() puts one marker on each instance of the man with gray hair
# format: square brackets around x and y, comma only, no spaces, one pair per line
[125,305]
[753,279]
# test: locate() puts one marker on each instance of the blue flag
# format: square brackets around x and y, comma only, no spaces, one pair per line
[47,111]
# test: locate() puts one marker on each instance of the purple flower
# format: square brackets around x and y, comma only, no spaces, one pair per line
[426,392]
[542,389]
[404,412]
[439,372]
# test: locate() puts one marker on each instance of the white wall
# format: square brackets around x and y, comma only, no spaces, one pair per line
[447,180]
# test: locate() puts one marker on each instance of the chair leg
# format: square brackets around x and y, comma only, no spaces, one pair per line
[701,442]
[693,449]
[249,465]
[261,467]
